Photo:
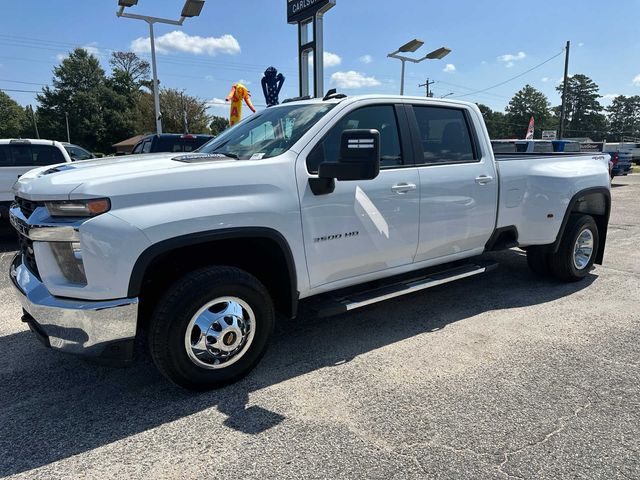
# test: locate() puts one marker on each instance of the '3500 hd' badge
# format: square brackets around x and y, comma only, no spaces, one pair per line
[336,236]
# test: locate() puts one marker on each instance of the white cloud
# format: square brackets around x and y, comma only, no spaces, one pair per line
[610,96]
[509,64]
[366,59]
[581,44]
[636,80]
[353,79]
[483,62]
[509,58]
[217,103]
[245,82]
[92,48]
[330,59]
[449,68]
[178,41]
[545,79]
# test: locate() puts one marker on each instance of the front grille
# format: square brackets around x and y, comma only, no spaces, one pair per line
[27,206]
[28,255]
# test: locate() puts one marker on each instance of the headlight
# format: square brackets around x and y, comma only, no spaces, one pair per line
[78,208]
[68,255]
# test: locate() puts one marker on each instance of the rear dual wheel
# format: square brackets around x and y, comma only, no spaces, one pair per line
[576,252]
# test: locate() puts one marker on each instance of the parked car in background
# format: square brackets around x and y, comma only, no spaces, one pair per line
[568,146]
[522,146]
[621,162]
[77,153]
[18,156]
[633,148]
[170,142]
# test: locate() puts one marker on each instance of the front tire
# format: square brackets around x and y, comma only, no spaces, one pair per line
[211,327]
[577,251]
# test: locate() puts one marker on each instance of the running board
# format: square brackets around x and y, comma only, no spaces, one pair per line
[350,302]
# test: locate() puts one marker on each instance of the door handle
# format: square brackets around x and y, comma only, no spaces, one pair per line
[402,188]
[484,179]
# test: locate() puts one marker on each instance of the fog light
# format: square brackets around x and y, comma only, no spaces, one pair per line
[69,258]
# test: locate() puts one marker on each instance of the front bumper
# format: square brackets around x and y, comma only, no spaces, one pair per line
[103,329]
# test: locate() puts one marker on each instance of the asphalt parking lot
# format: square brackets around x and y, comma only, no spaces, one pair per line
[504,376]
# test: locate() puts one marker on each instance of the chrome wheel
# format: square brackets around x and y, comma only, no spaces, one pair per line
[220,333]
[583,249]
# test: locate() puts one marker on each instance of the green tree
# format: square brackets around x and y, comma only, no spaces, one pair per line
[218,125]
[525,104]
[129,65]
[129,74]
[175,107]
[13,118]
[583,114]
[624,117]
[79,89]
[497,123]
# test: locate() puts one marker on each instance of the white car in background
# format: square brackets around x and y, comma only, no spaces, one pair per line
[18,156]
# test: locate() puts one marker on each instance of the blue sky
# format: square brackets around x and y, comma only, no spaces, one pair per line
[491,41]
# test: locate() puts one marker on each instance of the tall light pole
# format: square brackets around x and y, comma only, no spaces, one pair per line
[192,8]
[411,47]
[563,108]
[66,118]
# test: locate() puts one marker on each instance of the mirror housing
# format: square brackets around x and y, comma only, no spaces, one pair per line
[359,160]
[359,157]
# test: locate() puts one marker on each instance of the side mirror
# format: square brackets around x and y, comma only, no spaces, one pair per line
[359,160]
[359,157]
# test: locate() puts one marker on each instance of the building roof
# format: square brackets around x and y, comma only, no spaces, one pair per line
[129,142]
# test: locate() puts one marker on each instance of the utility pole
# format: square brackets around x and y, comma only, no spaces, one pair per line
[427,84]
[563,109]
[35,123]
[66,117]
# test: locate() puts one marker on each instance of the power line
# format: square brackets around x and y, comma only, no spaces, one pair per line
[512,78]
[26,83]
[24,91]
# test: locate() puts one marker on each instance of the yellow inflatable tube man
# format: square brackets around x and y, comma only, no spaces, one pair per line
[237,94]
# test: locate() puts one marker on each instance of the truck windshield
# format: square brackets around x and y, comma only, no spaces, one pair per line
[268,133]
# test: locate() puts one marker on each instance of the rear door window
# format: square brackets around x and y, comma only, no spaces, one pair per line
[146,146]
[30,155]
[444,135]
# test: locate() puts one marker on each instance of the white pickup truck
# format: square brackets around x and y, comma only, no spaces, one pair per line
[343,201]
[18,156]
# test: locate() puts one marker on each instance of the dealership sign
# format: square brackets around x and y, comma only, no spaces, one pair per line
[549,135]
[300,10]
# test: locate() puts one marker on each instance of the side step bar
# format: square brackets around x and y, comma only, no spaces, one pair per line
[347,303]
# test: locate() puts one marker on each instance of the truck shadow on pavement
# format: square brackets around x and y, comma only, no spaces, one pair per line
[54,406]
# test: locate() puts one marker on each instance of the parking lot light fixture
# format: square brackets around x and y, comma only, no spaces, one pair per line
[438,54]
[192,8]
[411,47]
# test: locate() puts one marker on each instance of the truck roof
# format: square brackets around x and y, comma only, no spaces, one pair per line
[381,97]
[31,141]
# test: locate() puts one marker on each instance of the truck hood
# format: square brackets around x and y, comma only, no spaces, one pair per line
[57,182]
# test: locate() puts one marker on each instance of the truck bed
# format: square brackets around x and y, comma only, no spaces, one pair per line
[536,189]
